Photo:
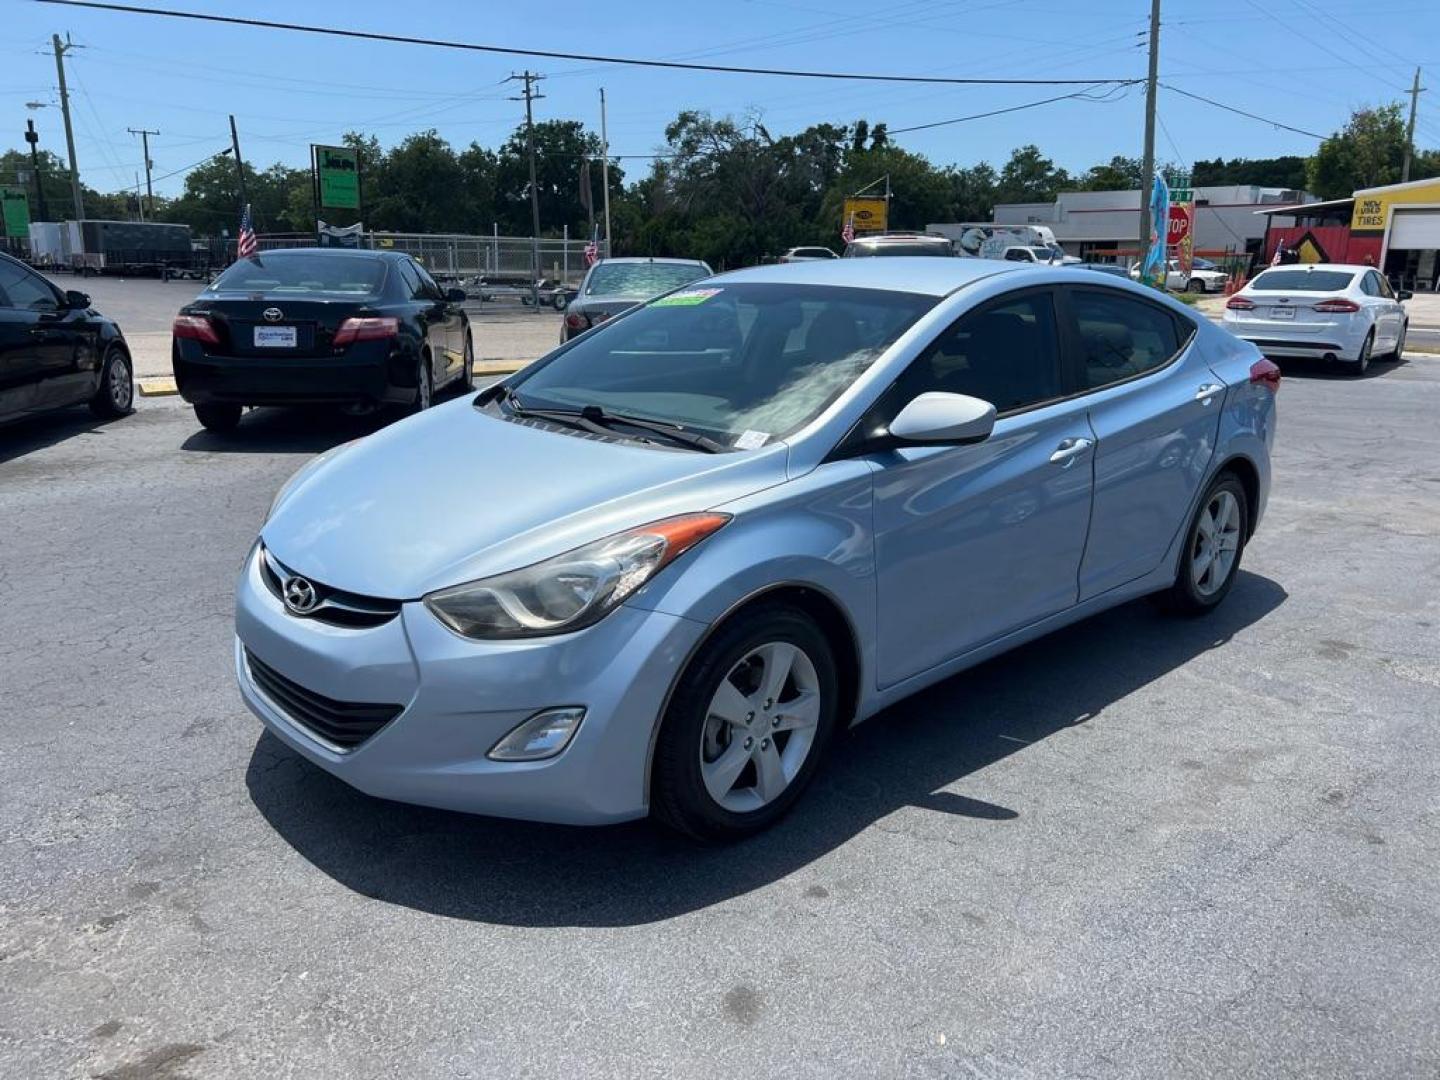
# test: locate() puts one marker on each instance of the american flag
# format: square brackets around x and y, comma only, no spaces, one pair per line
[848,232]
[592,253]
[1279,251]
[246,246]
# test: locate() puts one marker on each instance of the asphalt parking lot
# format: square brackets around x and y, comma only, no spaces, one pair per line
[1142,847]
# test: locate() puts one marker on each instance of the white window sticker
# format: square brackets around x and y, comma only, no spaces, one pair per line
[751,440]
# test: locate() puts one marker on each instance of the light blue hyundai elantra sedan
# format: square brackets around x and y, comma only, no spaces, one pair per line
[691,544]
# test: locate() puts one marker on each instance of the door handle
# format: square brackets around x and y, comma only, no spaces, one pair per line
[1208,391]
[1069,450]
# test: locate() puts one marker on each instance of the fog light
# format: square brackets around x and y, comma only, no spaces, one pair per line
[542,736]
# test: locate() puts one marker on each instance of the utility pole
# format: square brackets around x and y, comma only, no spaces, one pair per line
[1414,92]
[61,48]
[33,138]
[145,143]
[605,170]
[1147,162]
[530,78]
[239,165]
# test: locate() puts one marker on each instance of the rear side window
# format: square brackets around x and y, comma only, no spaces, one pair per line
[1121,337]
[19,288]
[411,279]
[1006,355]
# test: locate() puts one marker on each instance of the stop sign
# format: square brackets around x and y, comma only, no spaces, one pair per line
[1179,224]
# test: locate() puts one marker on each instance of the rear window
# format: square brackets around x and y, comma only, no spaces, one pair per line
[303,275]
[640,281]
[913,247]
[1303,280]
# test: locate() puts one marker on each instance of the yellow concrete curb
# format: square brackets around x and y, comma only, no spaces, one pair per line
[498,366]
[157,386]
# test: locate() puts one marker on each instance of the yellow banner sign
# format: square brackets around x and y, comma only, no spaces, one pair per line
[865,215]
[1372,210]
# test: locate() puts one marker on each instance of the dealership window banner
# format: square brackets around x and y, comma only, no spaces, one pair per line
[15,204]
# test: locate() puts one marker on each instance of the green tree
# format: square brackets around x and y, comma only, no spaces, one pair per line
[1118,174]
[1287,171]
[1366,152]
[561,148]
[1029,176]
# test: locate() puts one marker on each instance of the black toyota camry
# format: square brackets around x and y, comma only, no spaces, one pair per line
[360,329]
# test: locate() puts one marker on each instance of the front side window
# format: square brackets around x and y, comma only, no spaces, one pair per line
[1006,355]
[640,281]
[744,364]
[19,288]
[302,274]
[1121,337]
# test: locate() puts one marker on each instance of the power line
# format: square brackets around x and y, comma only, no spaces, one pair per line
[1242,112]
[367,35]
[1080,94]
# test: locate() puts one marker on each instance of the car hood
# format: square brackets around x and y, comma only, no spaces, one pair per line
[455,494]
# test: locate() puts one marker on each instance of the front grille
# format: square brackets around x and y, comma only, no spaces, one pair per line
[343,724]
[337,607]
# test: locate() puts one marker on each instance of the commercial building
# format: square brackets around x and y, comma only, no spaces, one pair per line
[1105,225]
[1395,227]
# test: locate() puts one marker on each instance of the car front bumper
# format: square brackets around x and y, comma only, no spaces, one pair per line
[459,697]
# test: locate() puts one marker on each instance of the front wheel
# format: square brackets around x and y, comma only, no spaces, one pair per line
[747,727]
[466,381]
[116,394]
[218,416]
[1399,350]
[1213,546]
[424,384]
[1195,285]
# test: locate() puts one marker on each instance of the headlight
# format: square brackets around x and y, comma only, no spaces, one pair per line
[573,590]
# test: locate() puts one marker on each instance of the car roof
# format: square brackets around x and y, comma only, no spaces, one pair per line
[647,259]
[1349,268]
[931,275]
[339,253]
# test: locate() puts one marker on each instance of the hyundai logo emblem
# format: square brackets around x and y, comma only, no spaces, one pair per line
[300,596]
[273,314]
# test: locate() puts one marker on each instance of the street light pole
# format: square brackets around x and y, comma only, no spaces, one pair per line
[605,170]
[33,138]
[61,48]
[530,78]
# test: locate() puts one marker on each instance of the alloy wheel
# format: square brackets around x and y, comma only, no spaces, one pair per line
[424,390]
[760,726]
[1216,543]
[122,386]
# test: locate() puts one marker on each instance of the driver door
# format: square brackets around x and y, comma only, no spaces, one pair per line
[973,542]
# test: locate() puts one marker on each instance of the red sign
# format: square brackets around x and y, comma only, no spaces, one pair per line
[1179,224]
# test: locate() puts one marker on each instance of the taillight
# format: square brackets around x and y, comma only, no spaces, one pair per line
[1343,307]
[1267,374]
[368,328]
[196,328]
[1240,303]
[575,321]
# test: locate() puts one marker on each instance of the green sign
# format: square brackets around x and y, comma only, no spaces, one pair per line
[16,206]
[337,169]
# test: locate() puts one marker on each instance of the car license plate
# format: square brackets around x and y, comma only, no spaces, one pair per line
[274,337]
[1275,313]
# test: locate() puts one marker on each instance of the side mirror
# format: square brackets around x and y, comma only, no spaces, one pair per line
[455,296]
[76,299]
[937,417]
[1404,294]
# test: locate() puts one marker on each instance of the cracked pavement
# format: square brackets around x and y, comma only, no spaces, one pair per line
[1142,847]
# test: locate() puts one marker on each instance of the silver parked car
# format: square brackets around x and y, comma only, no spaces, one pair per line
[615,285]
[698,541]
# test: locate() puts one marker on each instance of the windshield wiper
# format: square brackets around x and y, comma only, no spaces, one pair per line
[594,419]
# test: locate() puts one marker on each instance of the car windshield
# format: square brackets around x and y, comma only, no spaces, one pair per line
[912,247]
[640,281]
[1303,280]
[743,364]
[347,275]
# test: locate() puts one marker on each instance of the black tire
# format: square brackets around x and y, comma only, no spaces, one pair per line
[1195,285]
[115,395]
[558,301]
[218,416]
[678,796]
[1396,353]
[1184,597]
[424,384]
[465,382]
[1362,364]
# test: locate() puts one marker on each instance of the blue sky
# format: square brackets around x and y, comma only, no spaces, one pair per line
[1304,62]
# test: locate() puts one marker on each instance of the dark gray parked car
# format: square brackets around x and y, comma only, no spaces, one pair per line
[615,285]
